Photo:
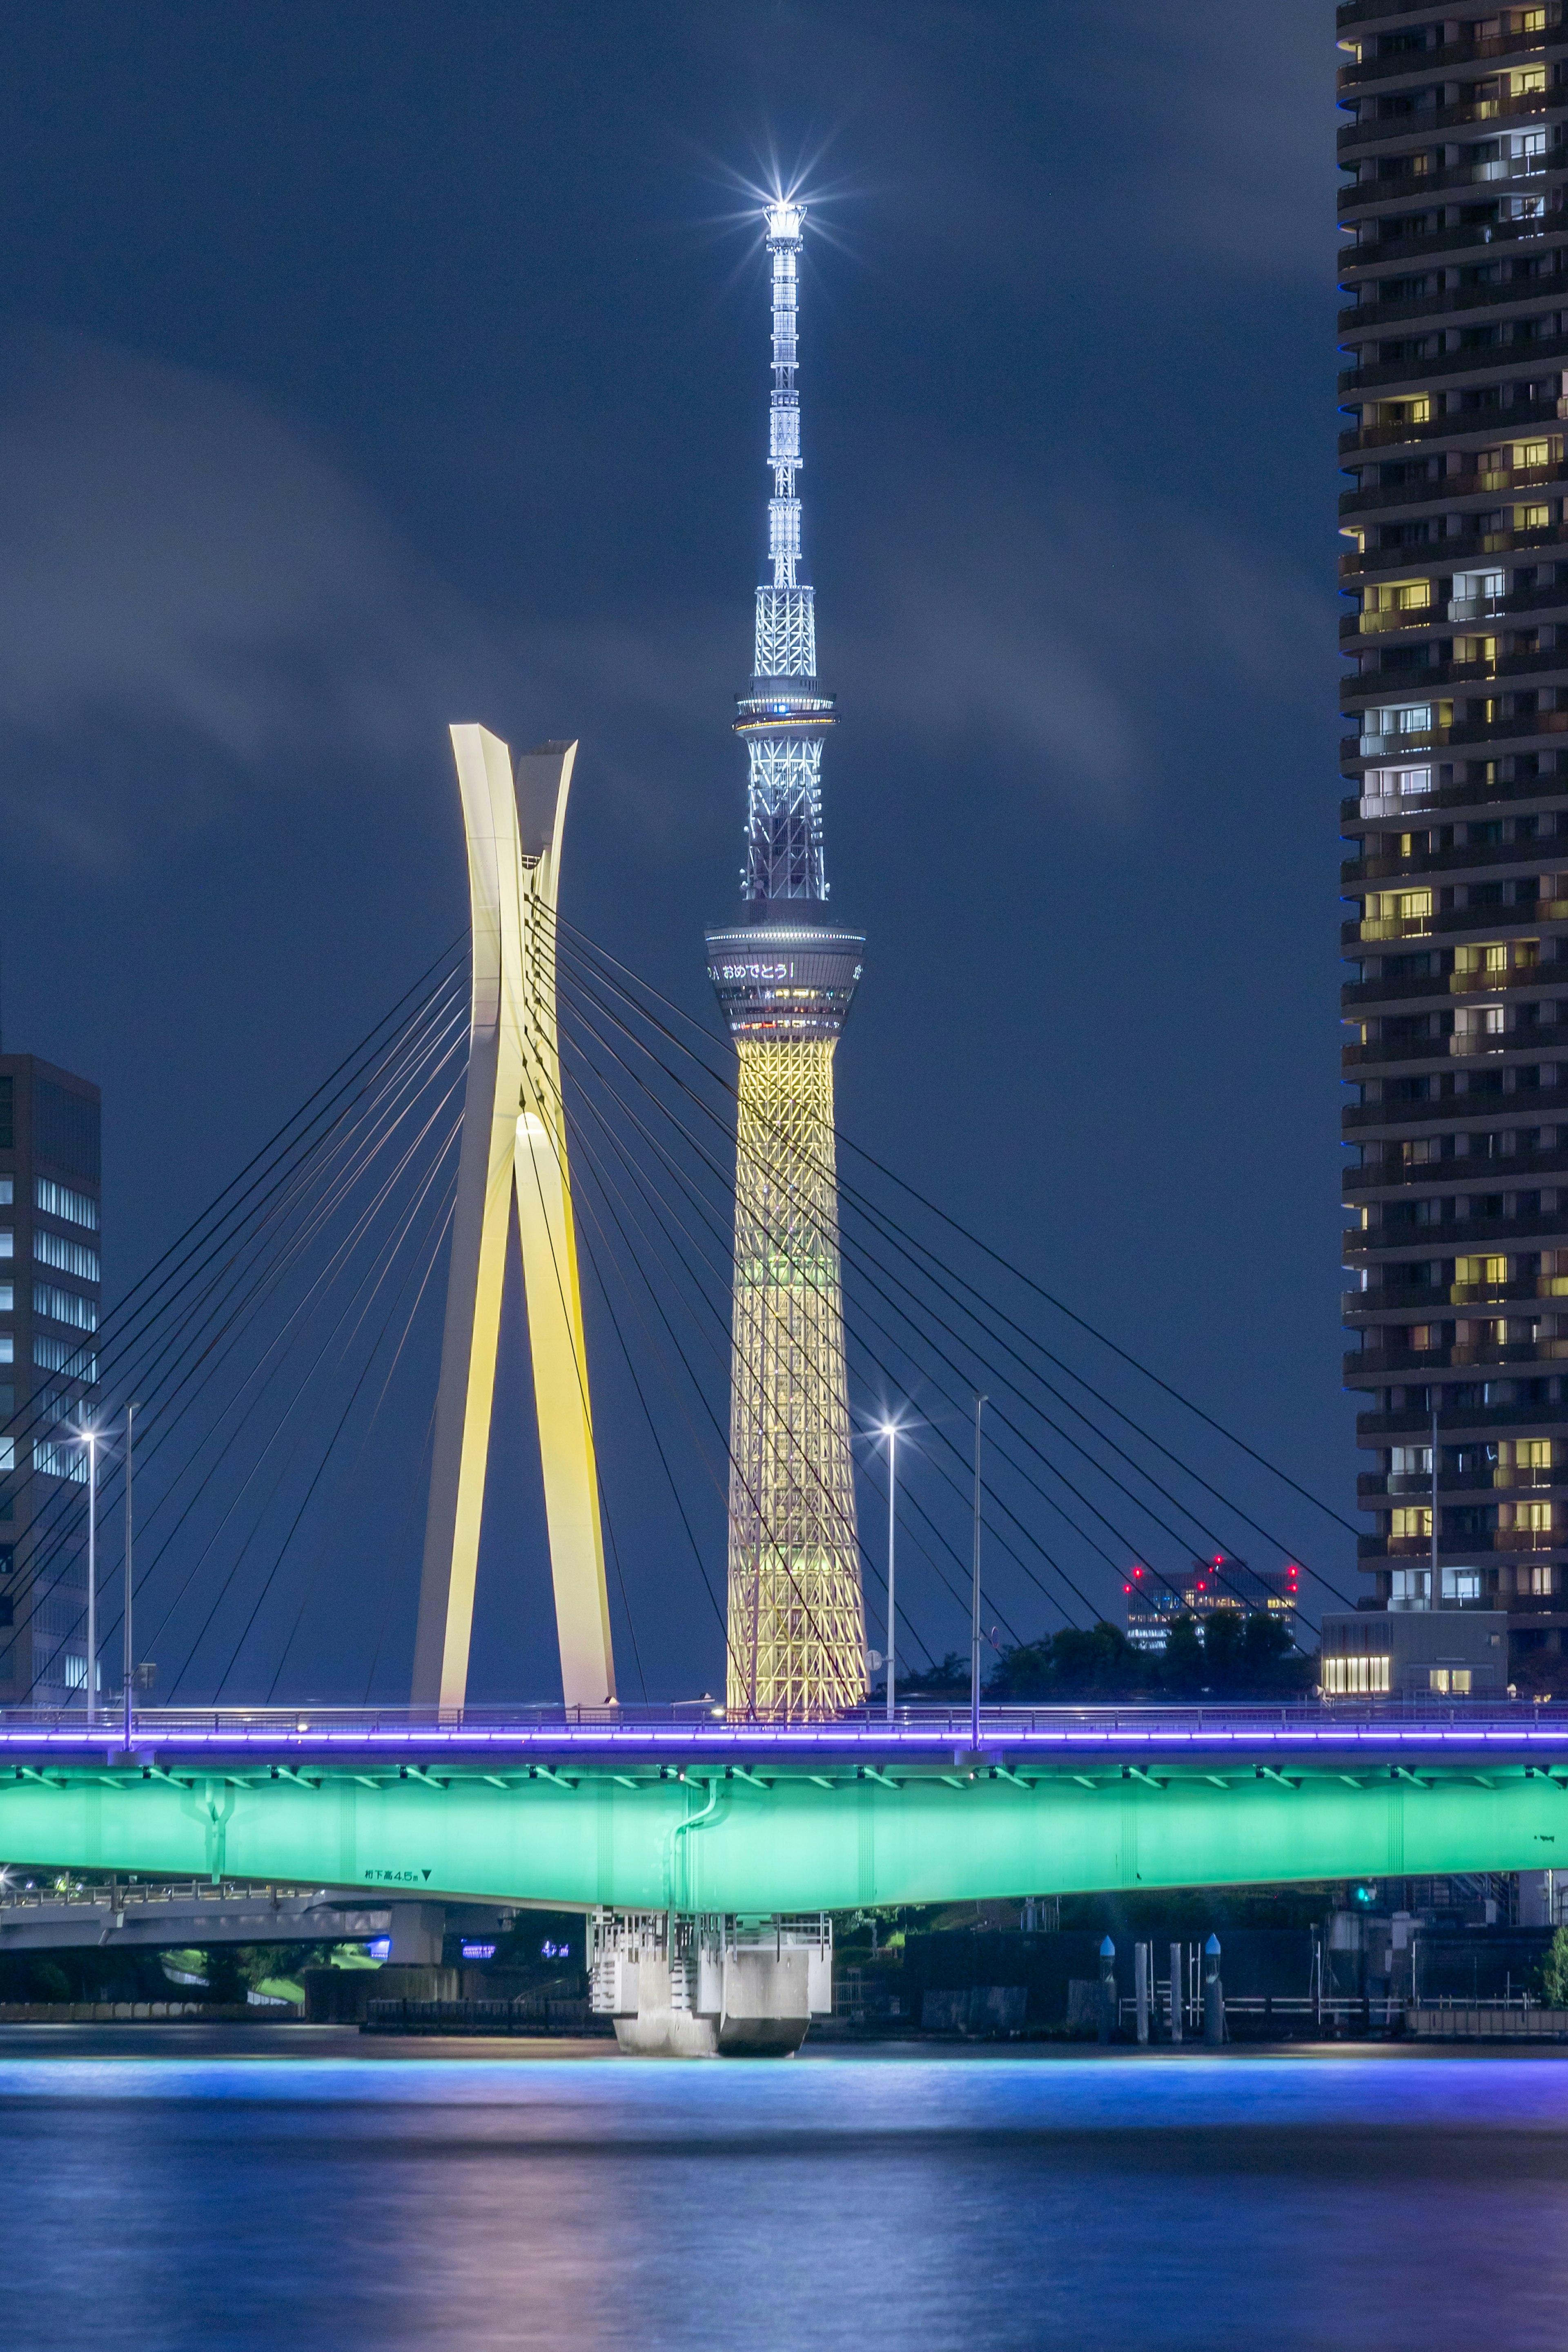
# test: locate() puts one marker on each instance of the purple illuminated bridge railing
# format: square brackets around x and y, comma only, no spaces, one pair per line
[701,1729]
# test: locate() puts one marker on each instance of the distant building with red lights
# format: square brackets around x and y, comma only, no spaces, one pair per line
[1220,1582]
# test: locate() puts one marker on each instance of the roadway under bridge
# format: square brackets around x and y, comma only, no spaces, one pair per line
[753,1820]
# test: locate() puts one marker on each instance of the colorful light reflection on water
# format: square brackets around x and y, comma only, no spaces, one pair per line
[158,2203]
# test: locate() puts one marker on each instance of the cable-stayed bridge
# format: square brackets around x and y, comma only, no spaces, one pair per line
[314,1368]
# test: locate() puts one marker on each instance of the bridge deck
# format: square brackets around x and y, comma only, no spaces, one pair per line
[656,1812]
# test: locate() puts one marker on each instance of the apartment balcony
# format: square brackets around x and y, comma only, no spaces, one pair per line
[1422,1299]
[1376,1485]
[1411,684]
[1445,553]
[1489,1044]
[1524,1105]
[1552,597]
[1474,484]
[1481,799]
[1461,236]
[1525,727]
[1420,187]
[1528,105]
[1463,1422]
[1480,856]
[1402,987]
[1506,1173]
[1450,424]
[1478,360]
[1459,1550]
[1450,56]
[1458,1237]
[1390,1363]
[1373,930]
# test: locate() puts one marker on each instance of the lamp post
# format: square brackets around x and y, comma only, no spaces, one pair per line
[89,1439]
[890,1431]
[974,1599]
[128,1647]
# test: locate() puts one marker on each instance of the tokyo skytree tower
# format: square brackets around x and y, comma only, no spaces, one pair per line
[785,974]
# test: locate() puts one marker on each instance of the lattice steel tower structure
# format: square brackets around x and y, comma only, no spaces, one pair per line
[785,975]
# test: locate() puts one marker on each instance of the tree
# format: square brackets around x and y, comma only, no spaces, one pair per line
[1182,1665]
[1554,1971]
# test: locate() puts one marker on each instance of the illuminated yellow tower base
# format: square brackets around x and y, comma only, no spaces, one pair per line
[514,1145]
[795,1618]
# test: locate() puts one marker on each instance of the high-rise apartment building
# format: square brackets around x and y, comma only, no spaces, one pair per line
[49,1278]
[1454,340]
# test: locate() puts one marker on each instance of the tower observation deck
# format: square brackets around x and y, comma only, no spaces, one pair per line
[785,974]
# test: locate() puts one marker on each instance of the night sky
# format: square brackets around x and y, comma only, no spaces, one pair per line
[365,368]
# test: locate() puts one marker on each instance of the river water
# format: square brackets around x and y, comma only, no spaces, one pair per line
[160,2195]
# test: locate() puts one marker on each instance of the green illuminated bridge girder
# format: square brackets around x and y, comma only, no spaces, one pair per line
[726,1825]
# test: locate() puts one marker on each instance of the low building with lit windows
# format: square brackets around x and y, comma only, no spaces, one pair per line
[1419,1653]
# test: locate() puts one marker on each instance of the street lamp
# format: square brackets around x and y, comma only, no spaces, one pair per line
[889,1429]
[980,1404]
[89,1439]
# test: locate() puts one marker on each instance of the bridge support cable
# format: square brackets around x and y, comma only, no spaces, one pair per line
[197,1348]
[705,1284]
[135,1330]
[865,1262]
[711,1284]
[638,994]
[927,1316]
[211,1329]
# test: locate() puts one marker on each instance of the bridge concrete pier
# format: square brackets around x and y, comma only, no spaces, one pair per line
[708,1985]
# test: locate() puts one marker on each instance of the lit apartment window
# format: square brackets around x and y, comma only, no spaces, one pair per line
[7,1190]
[1451,1681]
[1535,1515]
[1355,1677]
[60,1200]
[1412,1521]
[1537,1579]
[1483,1270]
[1533,1453]
[7,1347]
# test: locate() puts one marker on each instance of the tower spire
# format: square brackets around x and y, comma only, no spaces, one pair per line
[784,976]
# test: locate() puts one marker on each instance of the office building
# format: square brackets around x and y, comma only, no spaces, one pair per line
[49,1293]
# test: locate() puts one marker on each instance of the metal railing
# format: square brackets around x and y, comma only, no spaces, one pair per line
[940,1724]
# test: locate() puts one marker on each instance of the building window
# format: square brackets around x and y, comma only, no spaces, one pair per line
[1537,1579]
[64,1307]
[1451,1681]
[7,1347]
[60,1200]
[1355,1677]
[1416,1520]
[70,1257]
[67,1356]
[7,1190]
[1462,1584]
[1536,1516]
[61,1462]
